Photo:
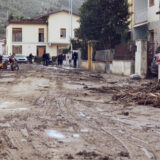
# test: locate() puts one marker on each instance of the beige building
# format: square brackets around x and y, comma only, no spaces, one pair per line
[48,33]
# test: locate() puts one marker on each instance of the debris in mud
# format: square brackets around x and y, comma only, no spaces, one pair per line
[125,113]
[147,94]
[86,154]
[135,77]
[69,156]
[124,154]
[103,89]
[97,76]
[92,155]
[105,158]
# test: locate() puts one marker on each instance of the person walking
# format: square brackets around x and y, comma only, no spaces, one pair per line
[30,58]
[44,59]
[75,57]
[47,59]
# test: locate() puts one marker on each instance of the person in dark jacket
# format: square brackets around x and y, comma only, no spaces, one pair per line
[1,57]
[44,59]
[75,57]
[60,59]
[30,58]
[47,59]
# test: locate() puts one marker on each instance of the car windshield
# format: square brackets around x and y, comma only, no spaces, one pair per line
[19,55]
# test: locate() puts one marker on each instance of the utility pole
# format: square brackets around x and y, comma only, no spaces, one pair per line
[70,26]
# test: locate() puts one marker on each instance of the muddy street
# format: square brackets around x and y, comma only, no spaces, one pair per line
[50,113]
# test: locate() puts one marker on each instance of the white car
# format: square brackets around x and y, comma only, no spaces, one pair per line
[20,58]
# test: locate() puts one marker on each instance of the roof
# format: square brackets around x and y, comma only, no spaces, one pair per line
[53,12]
[27,21]
[37,20]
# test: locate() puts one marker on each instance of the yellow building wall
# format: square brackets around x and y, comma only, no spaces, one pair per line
[131,10]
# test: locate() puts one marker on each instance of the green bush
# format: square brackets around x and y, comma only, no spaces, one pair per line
[65,50]
[54,58]
[38,59]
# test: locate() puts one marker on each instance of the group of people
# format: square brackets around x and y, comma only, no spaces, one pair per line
[74,57]
[46,59]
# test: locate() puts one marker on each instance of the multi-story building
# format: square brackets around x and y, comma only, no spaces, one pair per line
[146,22]
[48,33]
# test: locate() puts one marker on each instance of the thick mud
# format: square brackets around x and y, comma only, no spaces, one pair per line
[61,113]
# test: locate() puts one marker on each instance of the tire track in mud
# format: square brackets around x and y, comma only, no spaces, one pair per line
[128,138]
[146,150]
[96,136]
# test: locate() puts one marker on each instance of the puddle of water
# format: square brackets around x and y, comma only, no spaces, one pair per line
[54,134]
[139,139]
[15,109]
[23,140]
[120,131]
[3,80]
[147,153]
[4,125]
[82,114]
[67,67]
[84,130]
[6,104]
[76,135]
[73,86]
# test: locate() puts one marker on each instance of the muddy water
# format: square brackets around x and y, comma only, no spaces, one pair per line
[46,113]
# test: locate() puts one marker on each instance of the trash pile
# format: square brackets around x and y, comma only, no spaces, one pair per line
[146,94]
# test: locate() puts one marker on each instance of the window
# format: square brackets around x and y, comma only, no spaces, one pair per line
[17,34]
[63,33]
[151,3]
[17,49]
[41,35]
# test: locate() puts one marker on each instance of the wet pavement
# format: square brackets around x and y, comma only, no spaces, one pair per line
[54,113]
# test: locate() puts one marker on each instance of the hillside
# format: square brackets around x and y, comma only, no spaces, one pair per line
[31,8]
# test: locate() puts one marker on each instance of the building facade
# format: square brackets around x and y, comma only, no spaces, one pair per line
[146,22]
[49,33]
[2,46]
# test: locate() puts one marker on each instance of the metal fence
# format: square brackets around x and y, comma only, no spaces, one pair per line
[125,52]
[104,55]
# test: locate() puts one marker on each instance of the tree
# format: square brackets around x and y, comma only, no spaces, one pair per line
[104,20]
[10,17]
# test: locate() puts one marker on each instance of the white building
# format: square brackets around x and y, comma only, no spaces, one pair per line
[2,47]
[48,33]
[146,22]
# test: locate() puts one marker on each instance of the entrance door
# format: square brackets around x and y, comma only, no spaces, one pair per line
[41,50]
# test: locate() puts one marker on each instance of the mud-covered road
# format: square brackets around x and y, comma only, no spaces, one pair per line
[49,113]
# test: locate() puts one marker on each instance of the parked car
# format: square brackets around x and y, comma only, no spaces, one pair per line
[154,64]
[20,58]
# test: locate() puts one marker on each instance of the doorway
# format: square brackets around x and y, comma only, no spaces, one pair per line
[41,50]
